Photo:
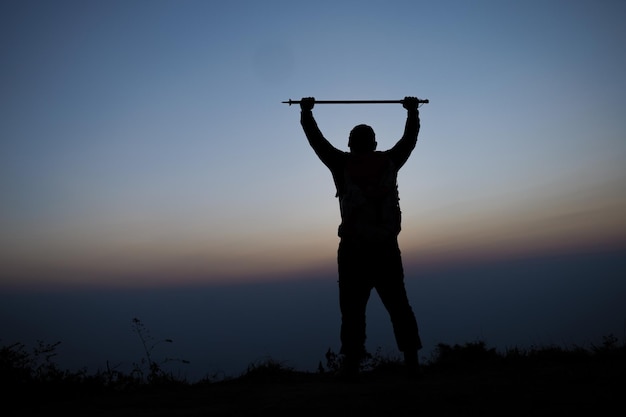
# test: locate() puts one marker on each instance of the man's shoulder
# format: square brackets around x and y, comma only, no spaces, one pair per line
[398,156]
[339,160]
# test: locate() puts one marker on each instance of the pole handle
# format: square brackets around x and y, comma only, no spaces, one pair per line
[421,101]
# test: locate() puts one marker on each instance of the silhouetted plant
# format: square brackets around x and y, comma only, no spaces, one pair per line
[268,370]
[370,362]
[333,362]
[45,368]
[113,378]
[469,355]
[610,343]
[20,366]
[34,370]
[380,362]
[15,364]
[155,372]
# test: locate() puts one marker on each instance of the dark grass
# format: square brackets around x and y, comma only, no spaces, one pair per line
[469,379]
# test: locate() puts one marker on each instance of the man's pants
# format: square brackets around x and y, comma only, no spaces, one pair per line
[361,269]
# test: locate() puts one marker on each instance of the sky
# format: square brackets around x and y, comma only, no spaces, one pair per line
[144,146]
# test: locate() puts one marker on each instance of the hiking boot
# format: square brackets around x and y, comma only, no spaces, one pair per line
[412,365]
[349,370]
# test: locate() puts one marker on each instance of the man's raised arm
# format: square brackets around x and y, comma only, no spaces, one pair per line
[324,150]
[402,150]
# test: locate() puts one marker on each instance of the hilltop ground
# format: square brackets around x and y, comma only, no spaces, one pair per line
[463,381]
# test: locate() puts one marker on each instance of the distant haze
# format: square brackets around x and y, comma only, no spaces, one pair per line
[565,301]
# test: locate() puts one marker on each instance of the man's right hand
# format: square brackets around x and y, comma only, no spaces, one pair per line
[307,103]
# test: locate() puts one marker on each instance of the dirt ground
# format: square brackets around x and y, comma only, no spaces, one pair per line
[541,390]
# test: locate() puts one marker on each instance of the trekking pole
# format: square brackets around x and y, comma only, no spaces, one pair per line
[290,102]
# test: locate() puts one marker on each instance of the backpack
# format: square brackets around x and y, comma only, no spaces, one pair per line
[369,203]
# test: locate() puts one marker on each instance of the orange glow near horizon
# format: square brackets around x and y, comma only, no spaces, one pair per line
[542,222]
[435,238]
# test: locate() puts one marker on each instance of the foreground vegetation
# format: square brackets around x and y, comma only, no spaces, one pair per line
[457,380]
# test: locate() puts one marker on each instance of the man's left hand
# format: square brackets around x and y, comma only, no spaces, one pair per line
[410,103]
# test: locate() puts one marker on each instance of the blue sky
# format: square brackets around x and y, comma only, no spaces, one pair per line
[147,138]
[143,144]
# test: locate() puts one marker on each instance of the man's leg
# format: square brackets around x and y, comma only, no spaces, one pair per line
[354,293]
[391,289]
[353,302]
[402,317]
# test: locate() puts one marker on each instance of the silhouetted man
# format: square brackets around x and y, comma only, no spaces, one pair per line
[369,256]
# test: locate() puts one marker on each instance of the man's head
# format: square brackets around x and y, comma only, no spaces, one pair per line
[362,139]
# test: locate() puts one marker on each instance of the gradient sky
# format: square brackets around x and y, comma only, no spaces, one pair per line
[144,143]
